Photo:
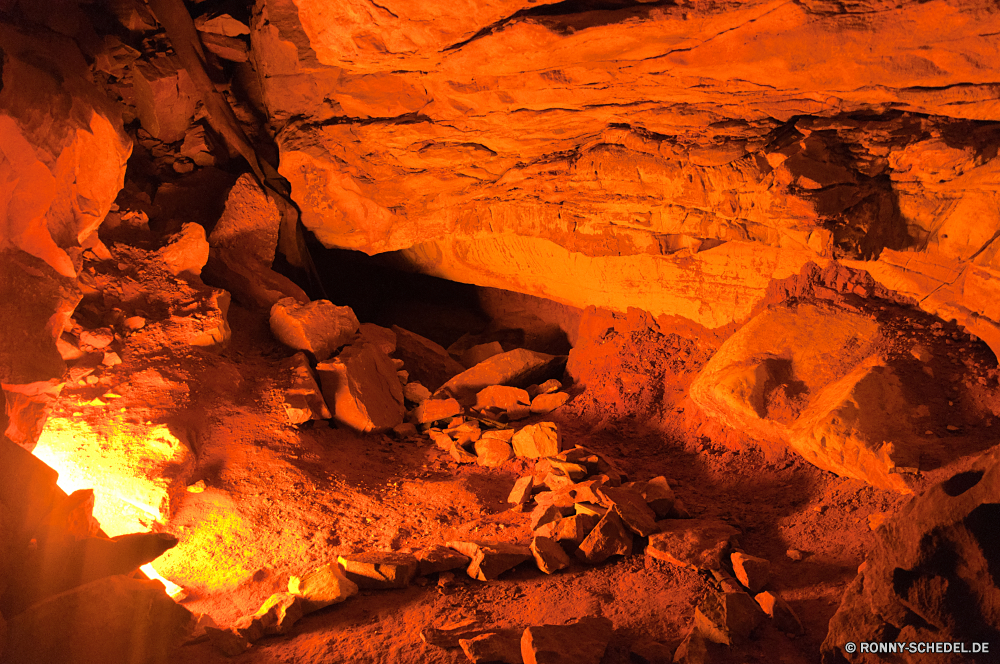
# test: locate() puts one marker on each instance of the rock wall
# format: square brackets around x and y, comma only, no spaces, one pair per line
[670,157]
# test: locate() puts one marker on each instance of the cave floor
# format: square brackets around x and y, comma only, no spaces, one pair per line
[255,500]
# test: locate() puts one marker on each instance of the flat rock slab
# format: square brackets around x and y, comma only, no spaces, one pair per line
[609,537]
[438,558]
[537,440]
[546,403]
[379,336]
[582,642]
[428,362]
[491,559]
[322,587]
[693,543]
[501,397]
[499,647]
[449,634]
[549,555]
[521,493]
[319,327]
[379,570]
[518,368]
[575,529]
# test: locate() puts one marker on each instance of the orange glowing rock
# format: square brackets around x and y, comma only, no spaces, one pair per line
[521,493]
[537,440]
[493,453]
[575,529]
[361,389]
[516,367]
[434,410]
[546,403]
[501,397]
[631,507]
[438,558]
[779,611]
[319,327]
[752,572]
[379,570]
[609,537]
[491,559]
[322,587]
[279,612]
[503,646]
[186,251]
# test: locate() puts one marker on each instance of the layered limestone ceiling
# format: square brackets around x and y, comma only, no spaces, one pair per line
[670,156]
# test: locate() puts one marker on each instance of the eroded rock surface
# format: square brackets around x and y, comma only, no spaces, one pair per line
[698,149]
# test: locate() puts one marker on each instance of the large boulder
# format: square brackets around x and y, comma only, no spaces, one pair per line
[932,575]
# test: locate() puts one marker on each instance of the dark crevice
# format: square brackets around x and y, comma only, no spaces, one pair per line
[571,15]
[984,524]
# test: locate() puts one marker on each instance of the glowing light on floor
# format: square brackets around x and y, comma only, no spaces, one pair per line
[173,589]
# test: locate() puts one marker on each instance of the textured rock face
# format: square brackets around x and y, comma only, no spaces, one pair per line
[932,575]
[673,158]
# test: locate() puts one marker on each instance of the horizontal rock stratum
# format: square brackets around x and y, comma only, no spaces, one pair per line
[672,158]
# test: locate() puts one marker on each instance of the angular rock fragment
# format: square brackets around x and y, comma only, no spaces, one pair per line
[493,453]
[697,649]
[434,410]
[592,509]
[573,530]
[779,611]
[631,507]
[464,433]
[279,612]
[609,538]
[436,559]
[518,368]
[186,251]
[319,327]
[491,559]
[727,617]
[416,393]
[501,397]
[580,642]
[521,493]
[165,97]
[549,555]
[405,430]
[497,647]
[659,496]
[322,587]
[380,336]
[537,440]
[544,514]
[427,362]
[546,403]
[302,398]
[548,387]
[229,642]
[361,389]
[576,472]
[379,570]
[698,544]
[752,572]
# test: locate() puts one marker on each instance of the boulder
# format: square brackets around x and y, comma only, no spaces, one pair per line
[573,530]
[470,357]
[537,440]
[580,642]
[114,619]
[186,251]
[301,398]
[380,569]
[931,571]
[165,97]
[501,397]
[380,336]
[322,587]
[428,362]
[279,612]
[700,544]
[361,389]
[517,368]
[319,327]
[549,555]
[416,393]
[243,243]
[521,493]
[434,410]
[546,403]
[631,507]
[609,538]
[493,453]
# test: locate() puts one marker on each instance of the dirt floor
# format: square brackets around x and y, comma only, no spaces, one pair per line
[260,500]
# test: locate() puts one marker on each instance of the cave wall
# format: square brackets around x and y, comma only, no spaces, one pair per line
[670,156]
